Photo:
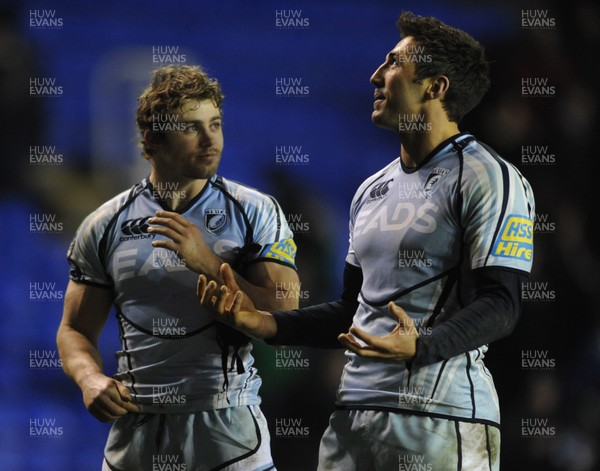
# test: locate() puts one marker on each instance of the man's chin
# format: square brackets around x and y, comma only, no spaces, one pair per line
[379,120]
[205,173]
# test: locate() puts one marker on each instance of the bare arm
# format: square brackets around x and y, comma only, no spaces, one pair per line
[270,286]
[315,326]
[267,285]
[225,303]
[85,312]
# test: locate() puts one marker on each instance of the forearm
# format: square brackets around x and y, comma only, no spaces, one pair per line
[315,326]
[79,355]
[187,241]
[491,316]
[272,295]
[320,325]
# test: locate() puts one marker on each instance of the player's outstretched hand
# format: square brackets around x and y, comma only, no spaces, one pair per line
[106,398]
[225,303]
[400,344]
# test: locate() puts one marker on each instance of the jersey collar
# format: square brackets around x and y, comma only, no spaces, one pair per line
[457,138]
[147,184]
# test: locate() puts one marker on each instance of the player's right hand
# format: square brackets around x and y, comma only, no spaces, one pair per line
[106,398]
[225,302]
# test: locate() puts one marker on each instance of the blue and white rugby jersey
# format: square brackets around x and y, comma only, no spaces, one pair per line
[171,357]
[416,234]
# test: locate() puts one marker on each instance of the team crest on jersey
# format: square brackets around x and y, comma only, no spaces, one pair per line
[433,180]
[216,221]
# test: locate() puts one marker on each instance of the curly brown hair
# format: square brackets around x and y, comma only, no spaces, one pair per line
[454,54]
[169,88]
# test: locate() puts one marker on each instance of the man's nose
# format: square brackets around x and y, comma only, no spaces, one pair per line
[377,77]
[205,138]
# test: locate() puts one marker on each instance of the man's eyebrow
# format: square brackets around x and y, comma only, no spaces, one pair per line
[190,121]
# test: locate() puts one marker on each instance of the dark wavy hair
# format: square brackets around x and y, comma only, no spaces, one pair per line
[169,88]
[454,54]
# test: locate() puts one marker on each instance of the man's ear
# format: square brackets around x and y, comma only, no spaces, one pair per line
[438,87]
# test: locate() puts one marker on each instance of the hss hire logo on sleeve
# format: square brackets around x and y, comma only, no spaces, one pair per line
[515,239]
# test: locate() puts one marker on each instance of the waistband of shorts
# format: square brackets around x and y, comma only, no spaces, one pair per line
[184,404]
[394,410]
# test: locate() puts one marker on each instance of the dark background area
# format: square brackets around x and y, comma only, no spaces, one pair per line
[101,56]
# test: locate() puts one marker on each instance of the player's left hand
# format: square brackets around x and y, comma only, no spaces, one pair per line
[400,344]
[185,239]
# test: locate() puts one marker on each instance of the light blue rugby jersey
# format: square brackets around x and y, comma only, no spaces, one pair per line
[171,358]
[407,229]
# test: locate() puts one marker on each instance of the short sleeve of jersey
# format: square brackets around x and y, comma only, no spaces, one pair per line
[497,212]
[84,252]
[273,234]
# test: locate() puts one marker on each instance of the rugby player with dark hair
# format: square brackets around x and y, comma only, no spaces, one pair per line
[440,241]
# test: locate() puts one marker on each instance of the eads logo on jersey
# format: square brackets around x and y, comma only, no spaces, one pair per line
[216,221]
[515,239]
[134,229]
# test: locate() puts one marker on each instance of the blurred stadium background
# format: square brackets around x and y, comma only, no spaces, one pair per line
[65,154]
